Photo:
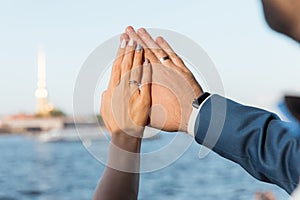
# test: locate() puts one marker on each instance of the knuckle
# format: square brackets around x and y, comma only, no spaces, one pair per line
[126,66]
[137,64]
[148,52]
[161,52]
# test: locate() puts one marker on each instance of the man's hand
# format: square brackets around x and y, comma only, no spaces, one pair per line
[173,85]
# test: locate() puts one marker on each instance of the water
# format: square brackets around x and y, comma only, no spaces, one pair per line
[34,170]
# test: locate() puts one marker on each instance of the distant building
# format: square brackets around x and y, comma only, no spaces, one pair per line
[45,117]
[22,123]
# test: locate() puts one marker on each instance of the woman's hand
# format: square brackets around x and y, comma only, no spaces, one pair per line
[126,103]
[125,110]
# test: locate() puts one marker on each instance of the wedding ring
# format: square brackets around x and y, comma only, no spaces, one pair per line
[164,59]
[134,82]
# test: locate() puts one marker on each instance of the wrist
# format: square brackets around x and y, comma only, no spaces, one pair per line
[195,109]
[126,141]
[187,110]
[124,152]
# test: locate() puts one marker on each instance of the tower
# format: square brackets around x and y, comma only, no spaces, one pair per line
[41,93]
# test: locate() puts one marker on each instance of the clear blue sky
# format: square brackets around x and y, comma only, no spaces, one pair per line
[257,65]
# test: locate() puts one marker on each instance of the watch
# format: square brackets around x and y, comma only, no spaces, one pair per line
[197,102]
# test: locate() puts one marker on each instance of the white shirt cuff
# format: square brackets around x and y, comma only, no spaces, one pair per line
[193,118]
[296,193]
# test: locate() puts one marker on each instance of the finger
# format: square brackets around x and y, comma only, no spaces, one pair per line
[116,67]
[132,34]
[148,53]
[136,71]
[128,60]
[168,49]
[160,54]
[146,81]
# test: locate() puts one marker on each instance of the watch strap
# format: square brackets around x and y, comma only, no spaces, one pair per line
[197,102]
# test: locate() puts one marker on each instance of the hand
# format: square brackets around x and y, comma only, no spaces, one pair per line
[173,85]
[125,110]
[125,105]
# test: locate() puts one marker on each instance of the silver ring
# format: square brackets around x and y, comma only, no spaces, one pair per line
[134,82]
[164,59]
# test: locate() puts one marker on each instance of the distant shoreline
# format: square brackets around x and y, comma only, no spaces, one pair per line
[25,124]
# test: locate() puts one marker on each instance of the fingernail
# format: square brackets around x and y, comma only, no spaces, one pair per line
[142,30]
[146,62]
[159,39]
[129,29]
[130,43]
[123,44]
[138,48]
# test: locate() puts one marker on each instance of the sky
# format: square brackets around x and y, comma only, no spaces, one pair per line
[257,65]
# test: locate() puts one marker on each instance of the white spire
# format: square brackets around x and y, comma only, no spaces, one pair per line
[41,93]
[41,69]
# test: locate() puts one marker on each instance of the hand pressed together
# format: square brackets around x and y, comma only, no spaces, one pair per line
[138,94]
[173,86]
[126,103]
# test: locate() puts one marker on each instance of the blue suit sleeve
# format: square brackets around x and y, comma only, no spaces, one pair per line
[255,139]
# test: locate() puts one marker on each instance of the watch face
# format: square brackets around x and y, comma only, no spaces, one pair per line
[196,103]
[293,105]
